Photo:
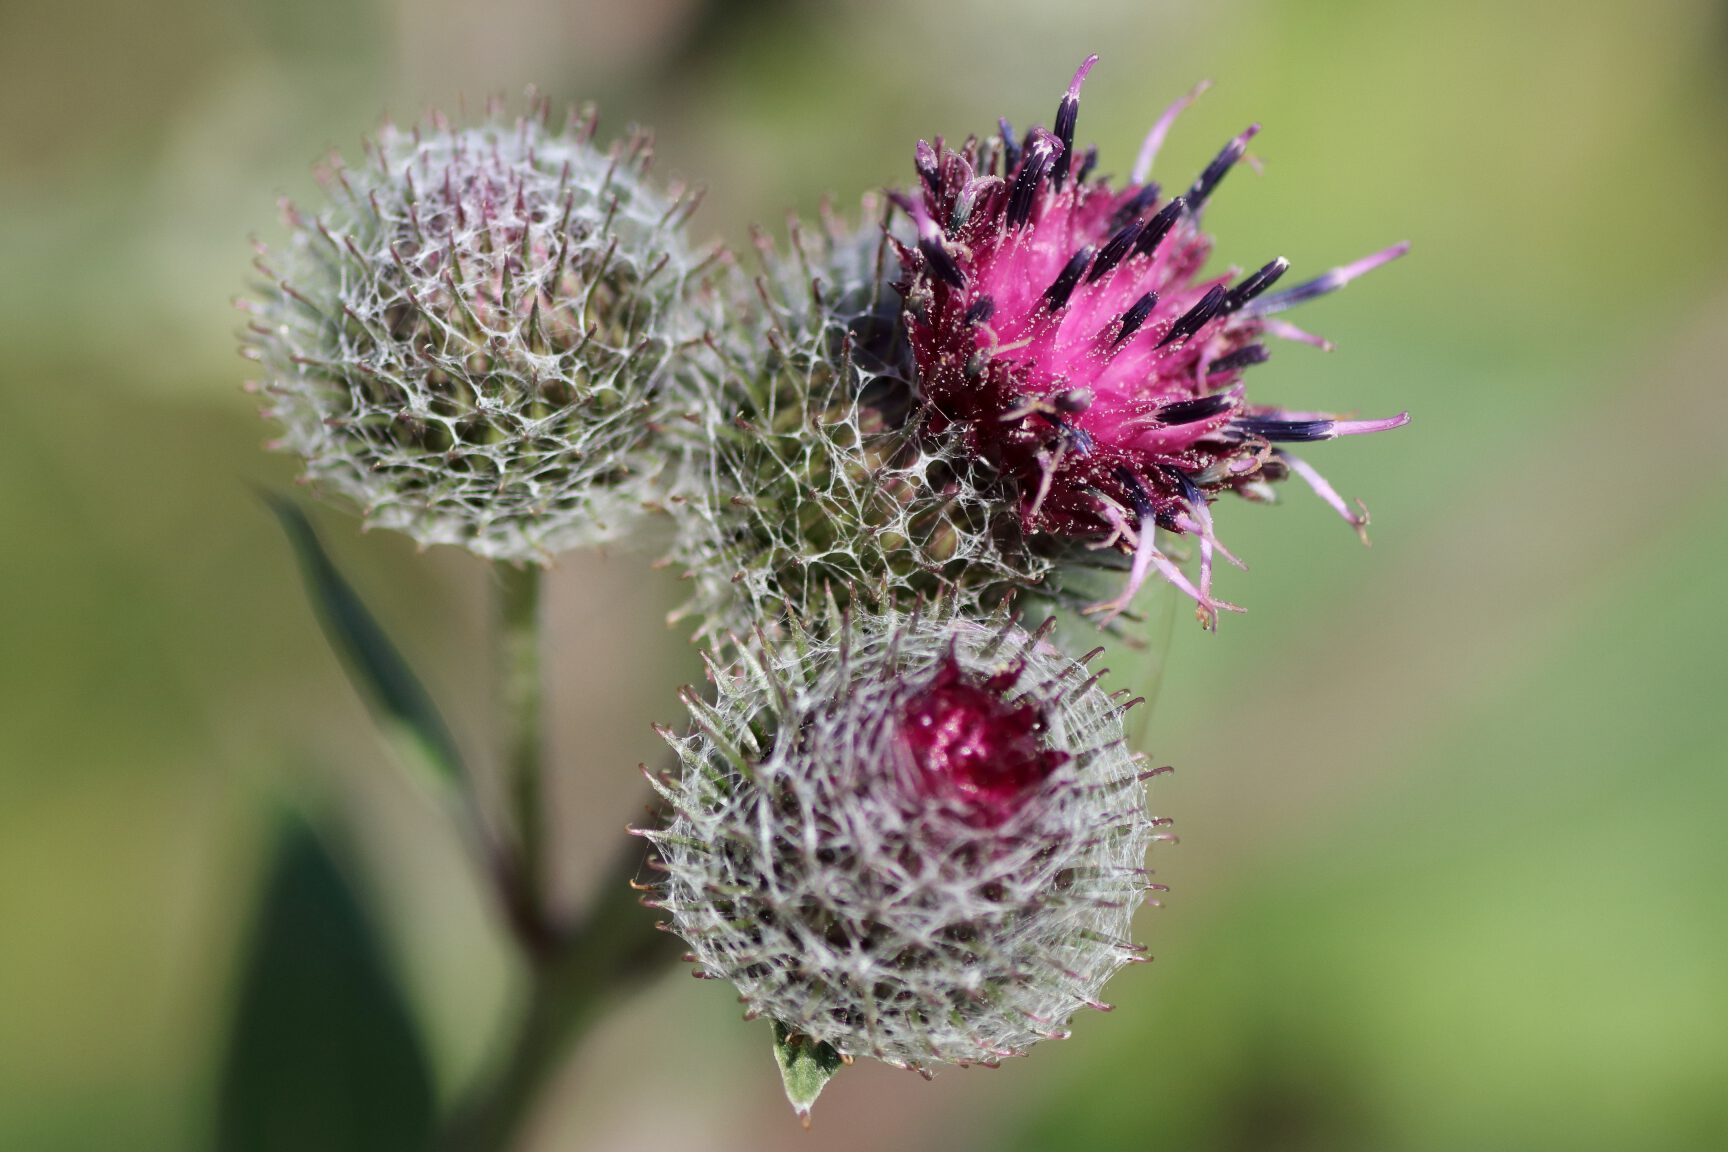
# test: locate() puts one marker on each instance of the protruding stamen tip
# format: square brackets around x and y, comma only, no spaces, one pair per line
[1368,263]
[1067,115]
[1327,282]
[1286,429]
[1155,138]
[1080,76]
[1363,427]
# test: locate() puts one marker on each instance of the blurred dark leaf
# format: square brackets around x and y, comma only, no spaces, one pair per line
[374,663]
[323,1054]
[720,27]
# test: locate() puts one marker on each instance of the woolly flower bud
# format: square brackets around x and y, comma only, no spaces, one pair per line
[468,341]
[806,475]
[922,842]
[1066,336]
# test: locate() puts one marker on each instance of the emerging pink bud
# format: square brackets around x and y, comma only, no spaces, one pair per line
[1064,334]
[973,747]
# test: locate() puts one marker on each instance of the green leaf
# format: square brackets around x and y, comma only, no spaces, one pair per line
[806,1066]
[323,1053]
[374,664]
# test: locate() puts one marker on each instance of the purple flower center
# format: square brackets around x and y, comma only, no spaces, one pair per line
[972,747]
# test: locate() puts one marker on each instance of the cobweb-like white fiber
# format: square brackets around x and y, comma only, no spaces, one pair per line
[798,865]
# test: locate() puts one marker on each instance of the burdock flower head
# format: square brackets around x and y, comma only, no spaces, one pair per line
[468,341]
[804,475]
[1065,335]
[922,840]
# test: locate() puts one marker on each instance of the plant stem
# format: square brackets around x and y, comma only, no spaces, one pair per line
[517,632]
[615,948]
[557,1012]
[574,975]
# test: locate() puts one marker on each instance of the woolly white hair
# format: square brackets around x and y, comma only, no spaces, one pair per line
[847,908]
[468,342]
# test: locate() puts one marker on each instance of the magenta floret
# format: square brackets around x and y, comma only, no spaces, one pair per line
[1065,335]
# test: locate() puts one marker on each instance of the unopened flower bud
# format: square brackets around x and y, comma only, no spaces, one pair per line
[469,339]
[922,840]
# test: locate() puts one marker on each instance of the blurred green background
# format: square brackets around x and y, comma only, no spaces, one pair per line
[1452,810]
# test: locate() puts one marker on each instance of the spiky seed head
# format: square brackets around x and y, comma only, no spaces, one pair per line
[468,339]
[1066,335]
[917,839]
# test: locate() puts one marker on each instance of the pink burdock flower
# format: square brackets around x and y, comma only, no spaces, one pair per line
[1064,334]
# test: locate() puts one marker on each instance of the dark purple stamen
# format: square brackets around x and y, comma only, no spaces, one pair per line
[1010,148]
[1189,411]
[924,159]
[1225,160]
[1159,226]
[981,310]
[1056,296]
[1078,438]
[1113,252]
[1327,282]
[1037,162]
[1185,485]
[1135,316]
[1284,431]
[1088,161]
[1255,284]
[1301,294]
[1142,499]
[1066,116]
[1244,357]
[1135,206]
[1196,317]
[941,262]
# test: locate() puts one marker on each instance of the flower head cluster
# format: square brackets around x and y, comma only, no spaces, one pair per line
[922,841]
[469,340]
[903,826]
[1065,334]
